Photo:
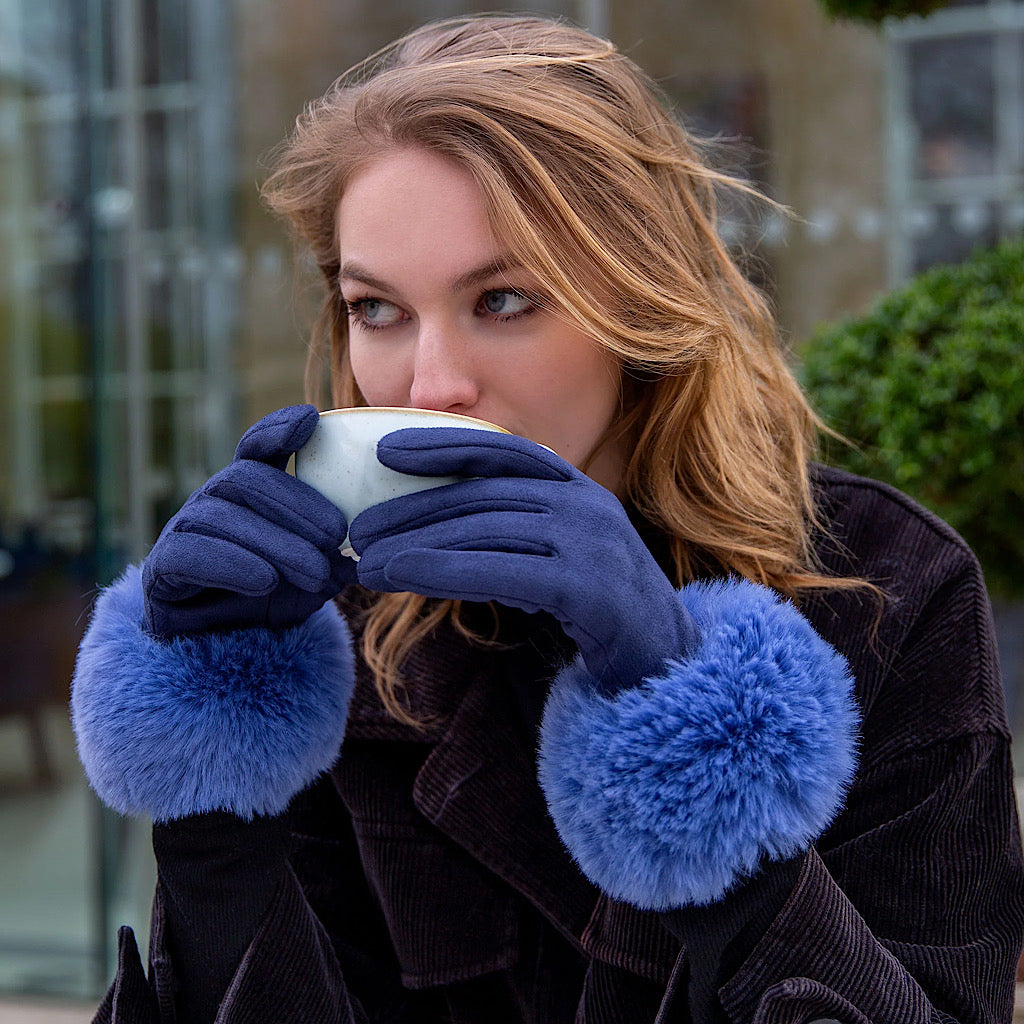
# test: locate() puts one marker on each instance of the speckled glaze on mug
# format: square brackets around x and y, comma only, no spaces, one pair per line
[340,458]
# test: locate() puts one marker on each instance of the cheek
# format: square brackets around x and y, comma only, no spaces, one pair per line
[577,408]
[380,379]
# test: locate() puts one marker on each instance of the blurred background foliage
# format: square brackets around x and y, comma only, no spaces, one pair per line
[929,385]
[878,10]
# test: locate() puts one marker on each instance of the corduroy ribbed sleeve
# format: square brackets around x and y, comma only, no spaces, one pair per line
[873,931]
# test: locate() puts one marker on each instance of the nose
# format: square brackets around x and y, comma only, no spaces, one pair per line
[444,375]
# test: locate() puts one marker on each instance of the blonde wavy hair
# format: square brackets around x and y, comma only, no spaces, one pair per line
[592,184]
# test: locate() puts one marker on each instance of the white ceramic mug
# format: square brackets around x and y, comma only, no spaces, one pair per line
[340,458]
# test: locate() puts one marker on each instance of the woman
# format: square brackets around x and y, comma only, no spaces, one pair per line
[745,812]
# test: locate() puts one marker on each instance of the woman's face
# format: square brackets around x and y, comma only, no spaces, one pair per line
[441,318]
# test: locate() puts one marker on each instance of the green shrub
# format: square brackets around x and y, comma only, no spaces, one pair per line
[877,10]
[929,385]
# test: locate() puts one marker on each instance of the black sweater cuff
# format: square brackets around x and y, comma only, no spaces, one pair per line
[720,936]
[218,875]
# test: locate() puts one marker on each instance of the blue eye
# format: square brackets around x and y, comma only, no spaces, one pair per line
[374,313]
[507,302]
[378,312]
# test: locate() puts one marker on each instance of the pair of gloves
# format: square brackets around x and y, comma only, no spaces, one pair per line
[737,749]
[254,546]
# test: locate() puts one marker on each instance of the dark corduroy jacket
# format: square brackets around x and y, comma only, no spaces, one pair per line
[426,881]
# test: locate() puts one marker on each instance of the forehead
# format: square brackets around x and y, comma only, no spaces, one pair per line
[417,222]
[410,188]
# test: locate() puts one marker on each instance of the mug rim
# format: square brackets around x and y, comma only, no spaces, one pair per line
[350,409]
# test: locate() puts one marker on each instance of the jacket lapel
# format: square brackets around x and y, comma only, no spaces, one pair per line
[477,786]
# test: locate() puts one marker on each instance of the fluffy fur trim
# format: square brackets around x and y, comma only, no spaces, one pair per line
[235,721]
[669,793]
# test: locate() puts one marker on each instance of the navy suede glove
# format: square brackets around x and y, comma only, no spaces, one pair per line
[531,531]
[253,546]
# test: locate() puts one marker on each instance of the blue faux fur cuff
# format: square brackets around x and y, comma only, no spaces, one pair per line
[235,721]
[670,793]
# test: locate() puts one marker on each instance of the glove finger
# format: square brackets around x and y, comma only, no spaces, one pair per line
[182,565]
[518,580]
[458,451]
[276,437]
[281,499]
[446,504]
[510,533]
[298,562]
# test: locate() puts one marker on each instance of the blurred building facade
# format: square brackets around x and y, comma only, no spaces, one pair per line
[150,308]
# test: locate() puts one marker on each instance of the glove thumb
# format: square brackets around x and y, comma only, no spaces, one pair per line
[276,437]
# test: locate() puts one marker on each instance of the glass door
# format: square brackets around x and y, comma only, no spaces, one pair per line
[117,306]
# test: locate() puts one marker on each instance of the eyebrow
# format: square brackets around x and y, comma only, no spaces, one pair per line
[353,271]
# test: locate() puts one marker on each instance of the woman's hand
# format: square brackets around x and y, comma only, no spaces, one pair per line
[253,546]
[528,530]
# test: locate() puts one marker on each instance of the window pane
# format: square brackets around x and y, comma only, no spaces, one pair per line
[952,101]
[1017,100]
[191,354]
[162,410]
[171,185]
[48,37]
[165,51]
[947,234]
[109,45]
[56,180]
[62,341]
[66,449]
[184,182]
[161,341]
[109,171]
[156,214]
[109,313]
